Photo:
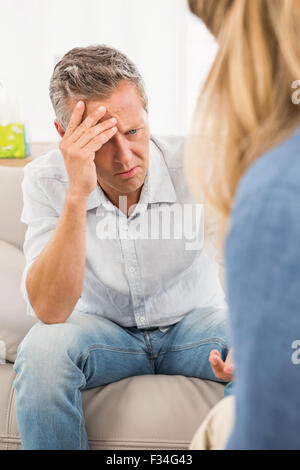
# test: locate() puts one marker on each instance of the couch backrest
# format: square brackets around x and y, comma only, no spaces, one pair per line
[11,204]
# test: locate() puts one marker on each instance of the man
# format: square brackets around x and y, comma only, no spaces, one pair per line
[101,277]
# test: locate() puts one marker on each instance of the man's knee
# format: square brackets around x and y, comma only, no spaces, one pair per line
[45,345]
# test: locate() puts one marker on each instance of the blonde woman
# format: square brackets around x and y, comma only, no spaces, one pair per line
[244,150]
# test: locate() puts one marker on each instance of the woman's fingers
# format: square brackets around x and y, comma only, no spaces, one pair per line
[220,368]
[216,361]
[228,366]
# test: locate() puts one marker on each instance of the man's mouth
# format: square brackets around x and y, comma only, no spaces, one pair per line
[126,174]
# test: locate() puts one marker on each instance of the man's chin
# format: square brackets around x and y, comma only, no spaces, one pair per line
[129,187]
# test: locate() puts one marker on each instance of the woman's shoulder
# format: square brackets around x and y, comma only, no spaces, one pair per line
[279,168]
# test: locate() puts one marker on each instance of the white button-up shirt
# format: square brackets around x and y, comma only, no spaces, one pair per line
[147,270]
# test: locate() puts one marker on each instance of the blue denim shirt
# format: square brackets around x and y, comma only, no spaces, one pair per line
[147,270]
[262,260]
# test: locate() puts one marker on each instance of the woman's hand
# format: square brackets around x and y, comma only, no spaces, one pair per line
[222,370]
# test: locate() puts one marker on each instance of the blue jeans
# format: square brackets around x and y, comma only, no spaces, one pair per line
[56,362]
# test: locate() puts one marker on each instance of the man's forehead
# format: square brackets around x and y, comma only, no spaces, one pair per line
[127,114]
[123,99]
[112,110]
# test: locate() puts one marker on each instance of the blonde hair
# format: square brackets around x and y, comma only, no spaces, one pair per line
[245,107]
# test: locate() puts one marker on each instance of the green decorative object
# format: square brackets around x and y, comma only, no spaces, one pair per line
[13,141]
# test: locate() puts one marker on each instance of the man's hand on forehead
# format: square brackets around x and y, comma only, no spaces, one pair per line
[85,135]
[93,122]
[107,114]
[124,126]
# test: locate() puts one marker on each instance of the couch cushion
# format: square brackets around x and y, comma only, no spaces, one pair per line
[12,230]
[14,322]
[142,412]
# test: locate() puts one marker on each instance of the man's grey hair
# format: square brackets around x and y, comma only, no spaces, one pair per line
[91,73]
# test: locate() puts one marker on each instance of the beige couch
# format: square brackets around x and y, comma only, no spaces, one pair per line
[143,412]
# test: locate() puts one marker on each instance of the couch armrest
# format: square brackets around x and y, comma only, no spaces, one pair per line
[14,321]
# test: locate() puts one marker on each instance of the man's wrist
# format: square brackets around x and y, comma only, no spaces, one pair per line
[77,199]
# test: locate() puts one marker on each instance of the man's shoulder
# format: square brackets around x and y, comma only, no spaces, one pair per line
[46,177]
[50,165]
[172,149]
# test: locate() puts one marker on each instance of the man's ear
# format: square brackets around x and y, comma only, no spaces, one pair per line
[59,128]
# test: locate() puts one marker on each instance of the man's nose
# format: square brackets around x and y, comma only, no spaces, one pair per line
[123,153]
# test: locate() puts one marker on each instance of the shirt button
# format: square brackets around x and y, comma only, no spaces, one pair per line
[131,269]
[142,319]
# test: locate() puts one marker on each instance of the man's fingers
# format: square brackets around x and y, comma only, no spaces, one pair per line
[95,131]
[90,121]
[76,118]
[100,140]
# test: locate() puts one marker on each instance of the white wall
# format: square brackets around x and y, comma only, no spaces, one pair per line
[171,49]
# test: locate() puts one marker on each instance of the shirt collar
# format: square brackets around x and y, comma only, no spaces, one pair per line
[157,188]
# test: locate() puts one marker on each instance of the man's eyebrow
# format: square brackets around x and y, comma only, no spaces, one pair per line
[140,125]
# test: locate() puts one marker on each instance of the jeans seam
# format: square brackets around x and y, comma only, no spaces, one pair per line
[78,393]
[193,345]
[107,348]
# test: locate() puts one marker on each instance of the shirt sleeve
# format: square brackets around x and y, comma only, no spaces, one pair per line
[262,258]
[41,219]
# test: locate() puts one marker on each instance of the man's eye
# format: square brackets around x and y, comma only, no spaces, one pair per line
[132,132]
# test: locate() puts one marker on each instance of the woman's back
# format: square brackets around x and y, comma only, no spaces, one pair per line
[243,162]
[263,285]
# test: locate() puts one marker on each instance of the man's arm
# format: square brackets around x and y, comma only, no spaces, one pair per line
[54,281]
